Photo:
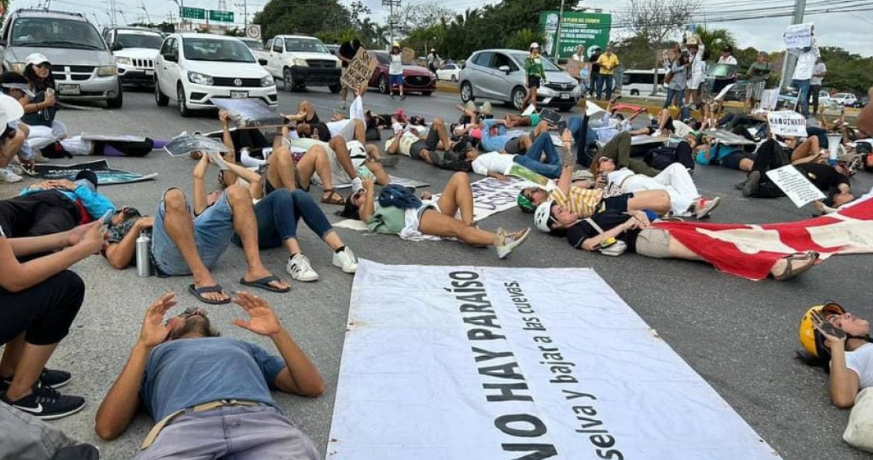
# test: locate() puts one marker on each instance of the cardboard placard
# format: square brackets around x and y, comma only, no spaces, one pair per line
[797,187]
[787,123]
[249,112]
[360,70]
[769,99]
[185,144]
[798,36]
[408,54]
[574,67]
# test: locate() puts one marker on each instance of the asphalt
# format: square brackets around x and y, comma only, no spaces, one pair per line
[739,335]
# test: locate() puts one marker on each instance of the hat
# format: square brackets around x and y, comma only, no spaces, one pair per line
[691,42]
[396,45]
[36,59]
[534,45]
[19,86]
[10,110]
[486,109]
[471,106]
[88,175]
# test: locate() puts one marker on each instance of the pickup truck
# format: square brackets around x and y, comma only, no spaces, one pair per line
[301,61]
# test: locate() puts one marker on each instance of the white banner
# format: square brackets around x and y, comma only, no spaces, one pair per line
[798,36]
[510,363]
[796,187]
[787,123]
[491,196]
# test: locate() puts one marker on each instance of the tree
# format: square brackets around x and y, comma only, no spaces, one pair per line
[524,37]
[424,14]
[716,39]
[654,20]
[306,16]
[358,9]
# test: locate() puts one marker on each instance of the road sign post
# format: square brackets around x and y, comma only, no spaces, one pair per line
[253,31]
[193,13]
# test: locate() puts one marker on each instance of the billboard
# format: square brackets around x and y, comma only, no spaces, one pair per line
[586,29]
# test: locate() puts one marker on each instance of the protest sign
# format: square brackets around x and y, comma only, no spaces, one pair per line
[360,70]
[728,138]
[491,196]
[105,174]
[408,55]
[574,67]
[550,116]
[787,123]
[797,187]
[187,143]
[249,112]
[769,99]
[798,36]
[492,363]
[112,137]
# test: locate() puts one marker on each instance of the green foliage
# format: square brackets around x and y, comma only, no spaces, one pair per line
[336,36]
[523,38]
[716,39]
[308,17]
[847,71]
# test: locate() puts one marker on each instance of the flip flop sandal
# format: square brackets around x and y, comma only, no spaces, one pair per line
[332,197]
[790,271]
[264,283]
[198,292]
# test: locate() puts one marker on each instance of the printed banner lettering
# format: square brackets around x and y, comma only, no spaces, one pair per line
[787,123]
[491,196]
[506,363]
[798,188]
[798,36]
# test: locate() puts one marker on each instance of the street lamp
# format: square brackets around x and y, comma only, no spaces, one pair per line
[181,5]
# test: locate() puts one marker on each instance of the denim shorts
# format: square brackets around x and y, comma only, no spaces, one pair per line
[395,80]
[212,233]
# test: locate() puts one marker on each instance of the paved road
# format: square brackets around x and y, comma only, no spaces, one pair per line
[739,335]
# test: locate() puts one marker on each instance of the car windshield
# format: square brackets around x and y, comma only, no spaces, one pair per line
[305,45]
[55,33]
[254,44]
[210,49]
[140,40]
[548,66]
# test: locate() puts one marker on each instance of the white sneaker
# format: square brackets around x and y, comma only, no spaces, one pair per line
[300,269]
[510,241]
[346,260]
[6,175]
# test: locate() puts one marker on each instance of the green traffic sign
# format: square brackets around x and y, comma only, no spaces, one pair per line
[586,29]
[193,13]
[221,16]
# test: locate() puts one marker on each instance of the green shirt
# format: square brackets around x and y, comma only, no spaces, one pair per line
[759,71]
[390,220]
[534,66]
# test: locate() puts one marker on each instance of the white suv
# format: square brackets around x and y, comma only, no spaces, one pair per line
[301,61]
[196,68]
[135,50]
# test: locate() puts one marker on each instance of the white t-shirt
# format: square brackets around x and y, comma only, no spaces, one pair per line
[861,361]
[805,64]
[406,141]
[576,57]
[396,66]
[819,69]
[731,60]
[494,162]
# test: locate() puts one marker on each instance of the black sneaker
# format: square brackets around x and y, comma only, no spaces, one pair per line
[752,185]
[49,377]
[47,404]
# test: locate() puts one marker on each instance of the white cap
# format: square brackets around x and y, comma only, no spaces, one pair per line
[35,59]
[19,86]
[534,45]
[10,110]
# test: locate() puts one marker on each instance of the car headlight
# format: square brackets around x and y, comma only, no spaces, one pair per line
[17,66]
[300,62]
[268,81]
[199,79]
[122,60]
[107,71]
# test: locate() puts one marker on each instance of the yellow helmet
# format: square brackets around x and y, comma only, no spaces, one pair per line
[811,340]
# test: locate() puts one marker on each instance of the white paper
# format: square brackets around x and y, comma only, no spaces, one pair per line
[769,99]
[787,123]
[798,36]
[797,187]
[506,363]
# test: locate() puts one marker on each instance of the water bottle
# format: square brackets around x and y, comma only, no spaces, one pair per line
[143,262]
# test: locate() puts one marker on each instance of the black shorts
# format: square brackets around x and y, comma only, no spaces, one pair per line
[43,312]
[533,82]
[732,161]
[513,146]
[616,203]
[430,143]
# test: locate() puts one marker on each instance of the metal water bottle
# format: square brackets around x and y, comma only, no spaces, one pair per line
[143,262]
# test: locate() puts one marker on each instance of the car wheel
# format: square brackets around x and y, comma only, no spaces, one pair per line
[634,92]
[117,101]
[288,80]
[466,92]
[518,96]
[161,99]
[335,88]
[183,105]
[454,79]
[383,85]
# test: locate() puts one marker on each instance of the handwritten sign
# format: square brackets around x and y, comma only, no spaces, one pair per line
[360,70]
[574,67]
[787,123]
[769,99]
[798,36]
[408,54]
[797,187]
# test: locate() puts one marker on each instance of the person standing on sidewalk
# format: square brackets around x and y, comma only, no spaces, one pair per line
[608,61]
[533,67]
[395,71]
[593,70]
[818,74]
[803,71]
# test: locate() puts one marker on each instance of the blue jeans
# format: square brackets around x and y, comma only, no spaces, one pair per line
[802,95]
[531,159]
[212,233]
[674,93]
[278,214]
[604,80]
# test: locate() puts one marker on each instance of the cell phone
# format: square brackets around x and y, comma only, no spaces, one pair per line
[607,242]
[562,126]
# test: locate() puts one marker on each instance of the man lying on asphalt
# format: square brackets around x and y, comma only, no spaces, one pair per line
[209,395]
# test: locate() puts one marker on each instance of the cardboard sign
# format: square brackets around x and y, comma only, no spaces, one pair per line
[769,99]
[408,54]
[797,187]
[798,36]
[360,70]
[249,112]
[787,123]
[574,67]
[185,144]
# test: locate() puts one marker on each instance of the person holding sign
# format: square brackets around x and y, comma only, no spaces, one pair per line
[395,71]
[804,70]
[533,67]
[347,52]
[757,75]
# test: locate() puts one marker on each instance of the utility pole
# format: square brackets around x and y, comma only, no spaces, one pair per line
[148,18]
[245,8]
[557,55]
[112,9]
[790,60]
[392,20]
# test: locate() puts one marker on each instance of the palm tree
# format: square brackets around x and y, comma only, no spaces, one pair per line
[715,39]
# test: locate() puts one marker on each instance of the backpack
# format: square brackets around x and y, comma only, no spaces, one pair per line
[399,197]
[662,157]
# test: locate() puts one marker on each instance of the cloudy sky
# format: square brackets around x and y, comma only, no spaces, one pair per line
[848,30]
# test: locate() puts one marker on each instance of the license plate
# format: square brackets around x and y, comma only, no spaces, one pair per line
[149,72]
[565,96]
[239,94]
[69,90]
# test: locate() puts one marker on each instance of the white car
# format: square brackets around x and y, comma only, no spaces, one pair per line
[449,72]
[135,50]
[301,61]
[195,68]
[845,99]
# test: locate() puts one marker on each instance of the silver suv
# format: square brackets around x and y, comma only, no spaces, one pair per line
[82,64]
[499,74]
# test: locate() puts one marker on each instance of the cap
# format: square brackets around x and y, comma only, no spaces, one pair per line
[36,59]
[10,110]
[691,42]
[486,109]
[534,45]
[19,86]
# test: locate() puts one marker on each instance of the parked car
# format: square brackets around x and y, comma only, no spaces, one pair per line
[450,72]
[135,50]
[416,79]
[301,61]
[334,49]
[845,99]
[196,68]
[499,74]
[737,92]
[861,103]
[82,64]
[254,45]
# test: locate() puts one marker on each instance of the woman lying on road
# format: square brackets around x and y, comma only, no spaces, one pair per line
[412,219]
[641,236]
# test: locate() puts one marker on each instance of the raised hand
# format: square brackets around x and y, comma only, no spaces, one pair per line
[262,320]
[831,333]
[154,331]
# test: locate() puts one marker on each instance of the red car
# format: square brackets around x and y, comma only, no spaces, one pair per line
[416,79]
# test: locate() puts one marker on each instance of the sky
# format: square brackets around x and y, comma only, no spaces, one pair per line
[850,31]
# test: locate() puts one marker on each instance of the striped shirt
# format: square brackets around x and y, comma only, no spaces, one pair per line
[582,201]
